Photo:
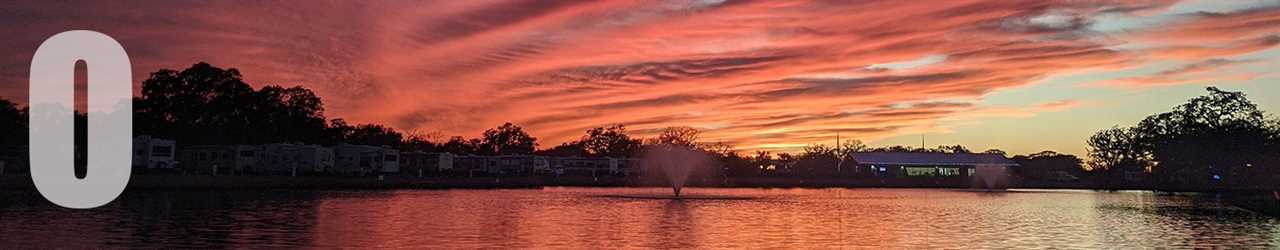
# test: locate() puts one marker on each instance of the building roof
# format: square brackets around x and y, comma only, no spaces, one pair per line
[930,159]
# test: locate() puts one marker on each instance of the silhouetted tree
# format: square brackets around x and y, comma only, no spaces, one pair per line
[1212,135]
[1212,139]
[901,149]
[612,141]
[788,161]
[567,149]
[720,149]
[293,114]
[1116,149]
[508,139]
[461,146]
[681,135]
[999,152]
[817,160]
[1040,166]
[419,142]
[762,160]
[851,146]
[953,149]
[374,134]
[738,166]
[1269,165]
[204,104]
[13,124]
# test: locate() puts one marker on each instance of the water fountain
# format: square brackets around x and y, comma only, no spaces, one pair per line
[991,177]
[676,163]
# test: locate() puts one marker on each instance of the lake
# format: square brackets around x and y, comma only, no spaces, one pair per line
[637,218]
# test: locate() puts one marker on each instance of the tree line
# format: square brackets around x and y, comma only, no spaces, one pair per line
[1219,139]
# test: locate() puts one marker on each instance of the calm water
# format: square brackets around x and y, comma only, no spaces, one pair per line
[638,218]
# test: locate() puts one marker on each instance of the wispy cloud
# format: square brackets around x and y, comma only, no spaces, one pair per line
[1204,72]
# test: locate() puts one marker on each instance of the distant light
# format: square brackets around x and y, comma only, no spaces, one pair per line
[1217,177]
[882,169]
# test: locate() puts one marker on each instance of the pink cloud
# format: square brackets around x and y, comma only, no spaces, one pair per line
[1203,72]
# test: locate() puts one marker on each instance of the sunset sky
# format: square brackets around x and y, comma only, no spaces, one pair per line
[1022,76]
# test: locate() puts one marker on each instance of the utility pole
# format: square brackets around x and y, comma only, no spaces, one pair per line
[840,154]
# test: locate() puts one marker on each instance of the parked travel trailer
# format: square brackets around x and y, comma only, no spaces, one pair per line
[153,153]
[471,165]
[314,158]
[218,159]
[246,157]
[293,159]
[415,163]
[418,163]
[444,161]
[591,166]
[208,159]
[519,164]
[390,161]
[358,159]
[625,166]
[276,158]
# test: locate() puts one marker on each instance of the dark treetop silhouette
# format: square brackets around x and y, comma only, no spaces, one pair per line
[1216,140]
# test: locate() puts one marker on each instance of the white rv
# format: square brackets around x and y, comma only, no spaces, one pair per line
[246,157]
[315,158]
[293,159]
[390,161]
[446,162]
[358,159]
[152,153]
[277,158]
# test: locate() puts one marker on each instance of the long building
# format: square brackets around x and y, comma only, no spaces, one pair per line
[990,170]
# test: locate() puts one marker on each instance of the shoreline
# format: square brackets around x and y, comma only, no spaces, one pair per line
[21,182]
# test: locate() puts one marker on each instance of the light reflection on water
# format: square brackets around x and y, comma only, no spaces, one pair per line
[637,218]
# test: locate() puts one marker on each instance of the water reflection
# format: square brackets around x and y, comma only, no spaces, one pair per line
[605,218]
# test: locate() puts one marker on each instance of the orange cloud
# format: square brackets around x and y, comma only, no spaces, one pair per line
[1203,72]
[1211,27]
[1235,48]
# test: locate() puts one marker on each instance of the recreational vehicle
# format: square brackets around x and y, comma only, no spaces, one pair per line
[390,161]
[520,164]
[153,153]
[590,166]
[314,158]
[357,159]
[418,163]
[207,159]
[294,159]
